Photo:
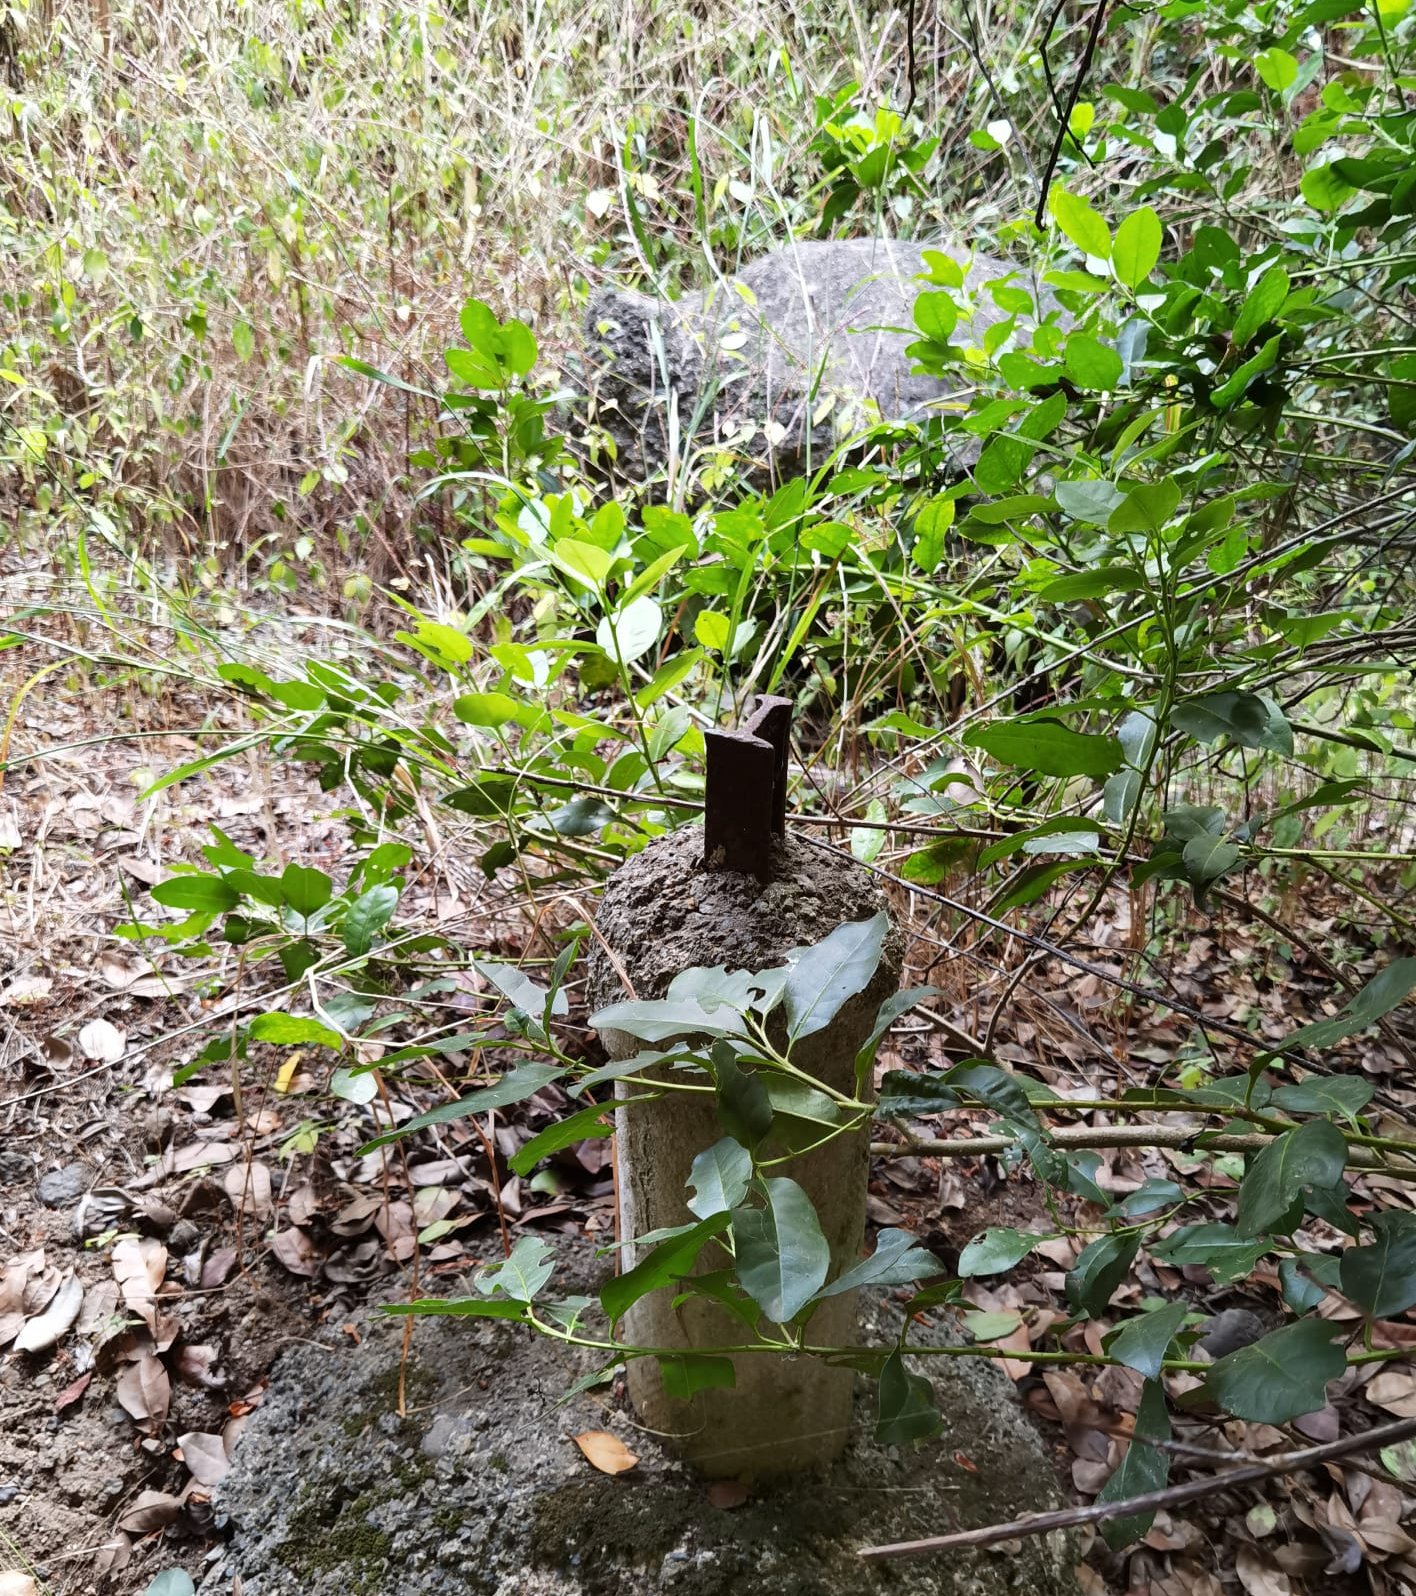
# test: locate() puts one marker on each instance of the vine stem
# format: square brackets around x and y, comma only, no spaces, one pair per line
[1151,1501]
[1091,1136]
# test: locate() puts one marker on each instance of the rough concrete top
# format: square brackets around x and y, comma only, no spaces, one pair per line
[662,912]
[480,1492]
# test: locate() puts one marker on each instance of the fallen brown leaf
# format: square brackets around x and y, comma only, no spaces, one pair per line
[71,1393]
[145,1392]
[727,1494]
[153,1510]
[205,1456]
[51,1326]
[604,1451]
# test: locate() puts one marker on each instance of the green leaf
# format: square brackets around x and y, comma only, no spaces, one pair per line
[1208,857]
[1218,1248]
[635,628]
[1245,718]
[936,316]
[782,1256]
[1102,1267]
[172,1581]
[584,561]
[664,1263]
[202,894]
[1137,247]
[1079,222]
[293,1030]
[1046,746]
[459,1307]
[1382,1278]
[520,989]
[488,710]
[1261,304]
[994,1251]
[663,1021]
[584,1125]
[827,975]
[686,1373]
[1313,1155]
[1277,68]
[1281,1377]
[1345,1095]
[903,1093]
[523,1082]
[897,1260]
[890,1011]
[1091,363]
[1143,1469]
[906,1410]
[1379,997]
[719,1177]
[354,1086]
[1141,1343]
[744,1108]
[713,630]
[520,1276]
[1146,508]
[369,913]
[306,889]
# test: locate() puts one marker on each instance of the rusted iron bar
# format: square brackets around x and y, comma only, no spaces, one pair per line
[746,797]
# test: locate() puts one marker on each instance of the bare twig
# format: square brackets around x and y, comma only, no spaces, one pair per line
[1171,1496]
[1187,1137]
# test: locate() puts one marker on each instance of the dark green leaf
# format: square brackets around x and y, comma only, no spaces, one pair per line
[1281,1377]
[890,1011]
[903,1093]
[664,1263]
[1046,746]
[1141,1343]
[898,1260]
[1313,1155]
[579,1127]
[369,913]
[523,1082]
[1346,1095]
[1382,1277]
[744,1108]
[1380,996]
[686,1373]
[1143,1468]
[906,1405]
[1102,1267]
[1299,1293]
[719,1178]
[460,1307]
[782,1256]
[993,1251]
[203,894]
[306,889]
[829,974]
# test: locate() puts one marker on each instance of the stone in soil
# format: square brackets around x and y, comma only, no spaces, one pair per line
[62,1187]
[479,1491]
[15,1168]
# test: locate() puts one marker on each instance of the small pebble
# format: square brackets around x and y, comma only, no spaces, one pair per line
[1232,1329]
[61,1187]
[15,1167]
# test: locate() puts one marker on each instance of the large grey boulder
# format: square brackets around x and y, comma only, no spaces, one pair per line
[801,351]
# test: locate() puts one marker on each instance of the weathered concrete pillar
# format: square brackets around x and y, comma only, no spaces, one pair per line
[669,910]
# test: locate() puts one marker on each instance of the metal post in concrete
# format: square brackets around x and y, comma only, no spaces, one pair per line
[743,895]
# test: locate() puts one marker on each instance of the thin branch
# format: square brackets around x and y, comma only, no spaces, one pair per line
[1185,1137]
[1171,1496]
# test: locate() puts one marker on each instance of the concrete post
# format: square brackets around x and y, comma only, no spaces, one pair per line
[665,911]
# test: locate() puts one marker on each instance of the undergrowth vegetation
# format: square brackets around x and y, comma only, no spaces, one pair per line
[285,290]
